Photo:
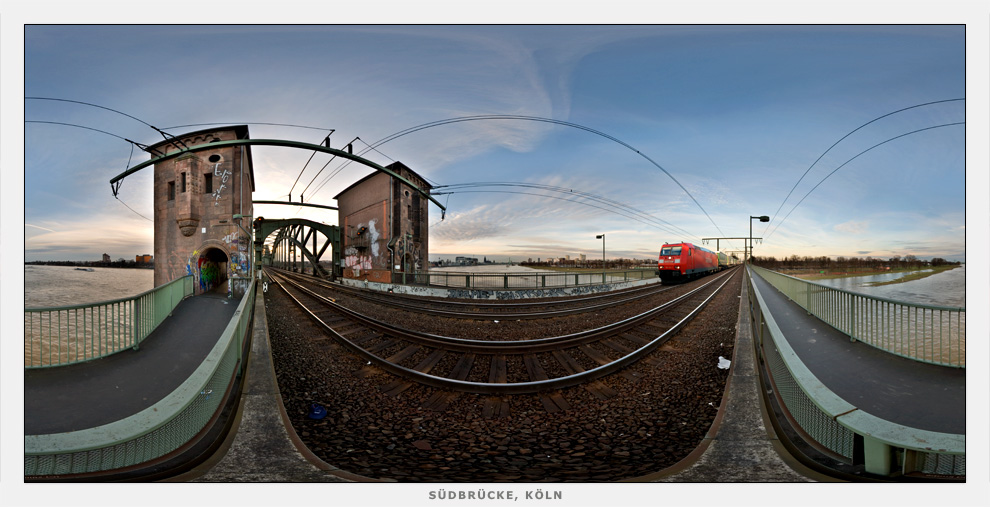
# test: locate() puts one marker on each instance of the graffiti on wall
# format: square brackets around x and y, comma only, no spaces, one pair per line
[239,263]
[223,182]
[209,274]
[359,259]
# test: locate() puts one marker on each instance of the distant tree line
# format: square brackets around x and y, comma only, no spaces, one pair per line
[119,263]
[854,263]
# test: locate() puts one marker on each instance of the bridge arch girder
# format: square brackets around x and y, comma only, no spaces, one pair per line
[302,234]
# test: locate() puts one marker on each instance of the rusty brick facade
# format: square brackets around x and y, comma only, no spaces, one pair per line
[196,196]
[384,226]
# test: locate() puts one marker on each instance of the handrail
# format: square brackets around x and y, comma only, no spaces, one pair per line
[926,333]
[62,335]
[836,424]
[536,279]
[155,431]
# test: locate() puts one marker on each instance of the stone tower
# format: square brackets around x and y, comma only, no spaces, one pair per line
[384,226]
[197,195]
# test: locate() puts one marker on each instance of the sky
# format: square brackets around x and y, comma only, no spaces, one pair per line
[666,133]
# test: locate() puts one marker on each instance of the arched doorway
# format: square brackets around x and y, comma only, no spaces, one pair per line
[212,271]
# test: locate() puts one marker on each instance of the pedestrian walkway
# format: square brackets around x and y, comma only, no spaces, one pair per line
[102,391]
[896,389]
[262,447]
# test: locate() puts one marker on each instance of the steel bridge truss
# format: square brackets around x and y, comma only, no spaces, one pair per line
[304,236]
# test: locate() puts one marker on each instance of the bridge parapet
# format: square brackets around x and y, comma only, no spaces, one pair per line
[926,333]
[58,336]
[156,432]
[856,437]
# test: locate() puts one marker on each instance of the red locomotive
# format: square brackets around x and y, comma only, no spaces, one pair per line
[682,261]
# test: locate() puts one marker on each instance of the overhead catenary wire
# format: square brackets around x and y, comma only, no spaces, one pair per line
[839,141]
[332,158]
[570,191]
[447,121]
[609,210]
[854,158]
[327,141]
[165,135]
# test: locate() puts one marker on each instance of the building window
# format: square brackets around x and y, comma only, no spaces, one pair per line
[208,183]
[183,182]
[171,190]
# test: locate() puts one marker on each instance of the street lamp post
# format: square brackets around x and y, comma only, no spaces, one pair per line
[763,218]
[602,237]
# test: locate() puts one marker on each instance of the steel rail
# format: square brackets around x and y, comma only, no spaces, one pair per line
[535,345]
[530,387]
[491,310]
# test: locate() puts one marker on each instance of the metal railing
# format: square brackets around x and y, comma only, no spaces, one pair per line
[931,334]
[156,431]
[840,428]
[62,335]
[536,280]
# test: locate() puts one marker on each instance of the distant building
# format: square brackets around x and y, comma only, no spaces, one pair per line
[384,225]
[106,257]
[143,259]
[466,261]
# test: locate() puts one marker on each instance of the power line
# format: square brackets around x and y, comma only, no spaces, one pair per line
[165,135]
[839,141]
[248,123]
[850,160]
[546,120]
[570,191]
[436,123]
[610,210]
[92,105]
[80,126]
[325,140]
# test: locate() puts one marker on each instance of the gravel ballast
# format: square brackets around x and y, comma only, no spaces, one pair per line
[662,410]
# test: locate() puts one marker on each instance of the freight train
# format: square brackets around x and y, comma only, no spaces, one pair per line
[683,261]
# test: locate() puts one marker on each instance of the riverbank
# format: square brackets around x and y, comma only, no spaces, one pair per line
[912,274]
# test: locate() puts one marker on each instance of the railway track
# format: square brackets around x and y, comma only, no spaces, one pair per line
[499,369]
[509,310]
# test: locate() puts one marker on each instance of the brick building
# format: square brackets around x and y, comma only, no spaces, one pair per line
[196,196]
[384,226]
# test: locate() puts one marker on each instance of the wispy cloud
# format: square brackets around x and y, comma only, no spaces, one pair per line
[38,227]
[853,227]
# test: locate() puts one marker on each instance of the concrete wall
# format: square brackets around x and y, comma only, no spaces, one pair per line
[195,232]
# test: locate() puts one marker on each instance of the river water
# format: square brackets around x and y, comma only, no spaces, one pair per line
[46,286]
[947,288]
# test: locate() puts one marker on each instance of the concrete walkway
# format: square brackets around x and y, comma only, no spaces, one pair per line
[740,447]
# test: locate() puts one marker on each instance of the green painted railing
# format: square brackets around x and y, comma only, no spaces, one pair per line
[837,426]
[156,431]
[63,335]
[536,280]
[931,334]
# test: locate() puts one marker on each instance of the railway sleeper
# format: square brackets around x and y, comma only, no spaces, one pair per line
[395,387]
[439,401]
[495,407]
